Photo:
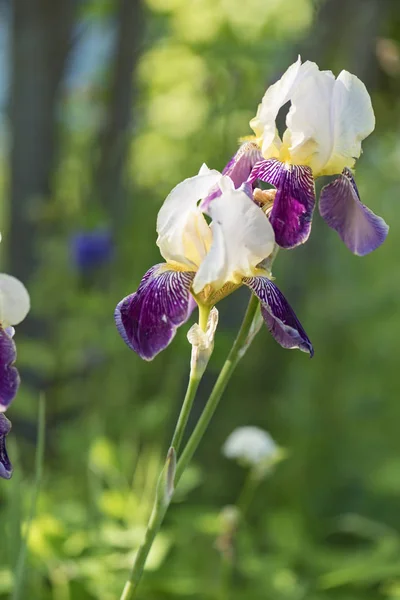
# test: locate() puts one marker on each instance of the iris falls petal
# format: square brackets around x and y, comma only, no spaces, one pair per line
[294,202]
[147,320]
[9,377]
[5,464]
[278,315]
[340,206]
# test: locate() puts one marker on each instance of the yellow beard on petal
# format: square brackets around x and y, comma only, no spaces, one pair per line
[209,296]
[174,266]
[249,138]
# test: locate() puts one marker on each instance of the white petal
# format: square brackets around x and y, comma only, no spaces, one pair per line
[328,120]
[275,97]
[309,120]
[14,301]
[183,233]
[242,238]
[353,120]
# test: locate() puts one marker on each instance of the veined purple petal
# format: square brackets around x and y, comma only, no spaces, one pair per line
[341,208]
[9,377]
[238,169]
[278,315]
[294,203]
[5,464]
[147,320]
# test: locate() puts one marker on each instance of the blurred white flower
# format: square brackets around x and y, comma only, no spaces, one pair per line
[14,301]
[251,446]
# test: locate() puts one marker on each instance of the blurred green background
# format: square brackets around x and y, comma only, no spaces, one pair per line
[105,106]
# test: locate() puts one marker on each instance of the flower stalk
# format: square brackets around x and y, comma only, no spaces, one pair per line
[232,360]
[170,477]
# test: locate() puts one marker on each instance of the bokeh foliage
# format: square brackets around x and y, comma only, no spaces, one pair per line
[137,109]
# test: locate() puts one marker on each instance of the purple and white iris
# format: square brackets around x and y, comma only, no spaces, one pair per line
[205,262]
[326,122]
[14,306]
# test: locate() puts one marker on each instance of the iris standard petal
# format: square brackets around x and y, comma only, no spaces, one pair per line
[238,169]
[147,320]
[294,202]
[183,232]
[278,315]
[328,120]
[5,464]
[242,238]
[340,206]
[9,377]
[14,300]
[310,132]
[353,120]
[274,98]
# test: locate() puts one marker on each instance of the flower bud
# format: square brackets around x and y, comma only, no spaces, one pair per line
[202,344]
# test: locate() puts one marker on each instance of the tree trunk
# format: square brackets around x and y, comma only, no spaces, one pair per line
[41,33]
[117,132]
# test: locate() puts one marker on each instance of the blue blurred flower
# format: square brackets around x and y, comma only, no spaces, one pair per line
[91,249]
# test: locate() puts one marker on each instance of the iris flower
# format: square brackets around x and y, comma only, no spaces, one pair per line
[14,306]
[327,120]
[204,263]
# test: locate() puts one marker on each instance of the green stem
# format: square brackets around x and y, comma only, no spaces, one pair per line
[233,358]
[204,312]
[246,495]
[163,499]
[194,380]
[153,526]
[39,459]
[185,411]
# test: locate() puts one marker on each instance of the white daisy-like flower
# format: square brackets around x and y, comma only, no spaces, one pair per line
[250,445]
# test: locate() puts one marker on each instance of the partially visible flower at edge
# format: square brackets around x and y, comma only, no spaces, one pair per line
[204,264]
[14,306]
[327,120]
[5,464]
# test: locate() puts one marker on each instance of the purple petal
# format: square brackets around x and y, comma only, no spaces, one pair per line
[278,315]
[9,377]
[294,202]
[340,206]
[147,320]
[5,464]
[238,169]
